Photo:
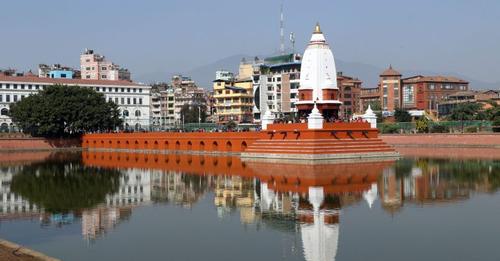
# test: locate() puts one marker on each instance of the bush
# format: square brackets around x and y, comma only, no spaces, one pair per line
[389,128]
[470,129]
[438,128]
[422,125]
[496,124]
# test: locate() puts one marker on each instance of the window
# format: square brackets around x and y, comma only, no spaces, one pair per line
[278,79]
[88,68]
[104,76]
[88,76]
[128,89]
[98,89]
[116,89]
[137,113]
[128,100]
[125,113]
[7,98]
[1,98]
[7,86]
[116,100]
[123,100]
[135,90]
[385,89]
[103,68]
[123,89]
[22,86]
[135,100]
[140,90]
[432,86]
[30,86]
[140,100]
[270,97]
[408,95]
[4,112]
[37,87]
[15,86]
[15,98]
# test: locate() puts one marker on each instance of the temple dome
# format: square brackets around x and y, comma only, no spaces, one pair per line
[318,69]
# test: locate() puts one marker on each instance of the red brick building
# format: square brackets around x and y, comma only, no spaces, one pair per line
[425,92]
[349,94]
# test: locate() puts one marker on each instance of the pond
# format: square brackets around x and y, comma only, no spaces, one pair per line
[127,206]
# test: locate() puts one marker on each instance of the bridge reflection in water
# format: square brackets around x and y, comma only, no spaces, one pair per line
[308,196]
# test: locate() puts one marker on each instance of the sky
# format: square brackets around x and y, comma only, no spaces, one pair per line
[459,36]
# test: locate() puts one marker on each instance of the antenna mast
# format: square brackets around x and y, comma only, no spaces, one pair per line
[282,34]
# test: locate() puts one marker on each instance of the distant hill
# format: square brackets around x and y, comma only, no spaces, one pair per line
[205,74]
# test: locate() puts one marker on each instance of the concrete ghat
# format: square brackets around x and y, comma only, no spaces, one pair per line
[353,157]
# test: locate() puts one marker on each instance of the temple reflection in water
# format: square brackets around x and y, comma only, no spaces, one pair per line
[303,199]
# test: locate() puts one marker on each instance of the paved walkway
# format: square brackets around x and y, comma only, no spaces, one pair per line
[13,252]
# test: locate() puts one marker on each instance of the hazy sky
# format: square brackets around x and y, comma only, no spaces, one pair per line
[460,36]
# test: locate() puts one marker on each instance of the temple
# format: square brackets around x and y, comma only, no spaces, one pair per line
[318,137]
[318,78]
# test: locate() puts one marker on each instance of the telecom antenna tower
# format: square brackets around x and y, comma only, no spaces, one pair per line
[282,33]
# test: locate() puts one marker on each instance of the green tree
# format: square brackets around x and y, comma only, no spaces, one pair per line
[402,115]
[61,110]
[465,112]
[190,113]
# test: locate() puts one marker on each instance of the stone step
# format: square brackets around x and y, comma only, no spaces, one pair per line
[320,147]
[330,151]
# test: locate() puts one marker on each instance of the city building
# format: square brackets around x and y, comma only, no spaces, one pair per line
[275,84]
[167,107]
[425,92]
[318,79]
[390,83]
[57,71]
[349,95]
[368,96]
[224,75]
[133,99]
[233,100]
[484,98]
[95,67]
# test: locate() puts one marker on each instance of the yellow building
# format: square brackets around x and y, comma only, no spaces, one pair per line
[233,100]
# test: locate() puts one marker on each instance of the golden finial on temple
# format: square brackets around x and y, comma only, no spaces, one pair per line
[317,29]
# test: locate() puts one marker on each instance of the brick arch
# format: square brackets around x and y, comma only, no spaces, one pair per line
[202,145]
[155,145]
[229,146]
[165,144]
[189,145]
[177,145]
[215,146]
[244,145]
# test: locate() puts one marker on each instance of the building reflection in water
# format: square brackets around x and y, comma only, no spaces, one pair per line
[305,200]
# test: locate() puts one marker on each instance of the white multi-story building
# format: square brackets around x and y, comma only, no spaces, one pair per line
[275,84]
[132,99]
[11,203]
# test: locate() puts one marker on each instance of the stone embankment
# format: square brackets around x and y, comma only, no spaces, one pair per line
[13,252]
[20,142]
[458,146]
[444,140]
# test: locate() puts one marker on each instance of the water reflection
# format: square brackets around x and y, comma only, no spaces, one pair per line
[101,189]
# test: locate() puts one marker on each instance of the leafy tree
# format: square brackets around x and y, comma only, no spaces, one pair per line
[465,112]
[375,105]
[61,110]
[190,113]
[402,115]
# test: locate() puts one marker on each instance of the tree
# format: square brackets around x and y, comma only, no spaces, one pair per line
[190,113]
[375,105]
[61,110]
[402,115]
[465,112]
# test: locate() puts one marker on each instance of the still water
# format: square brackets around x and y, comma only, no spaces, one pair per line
[119,206]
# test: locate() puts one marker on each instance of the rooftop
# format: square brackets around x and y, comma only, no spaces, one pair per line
[438,78]
[36,79]
[390,72]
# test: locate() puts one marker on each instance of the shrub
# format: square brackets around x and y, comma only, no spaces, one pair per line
[439,128]
[422,125]
[470,129]
[389,128]
[496,124]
